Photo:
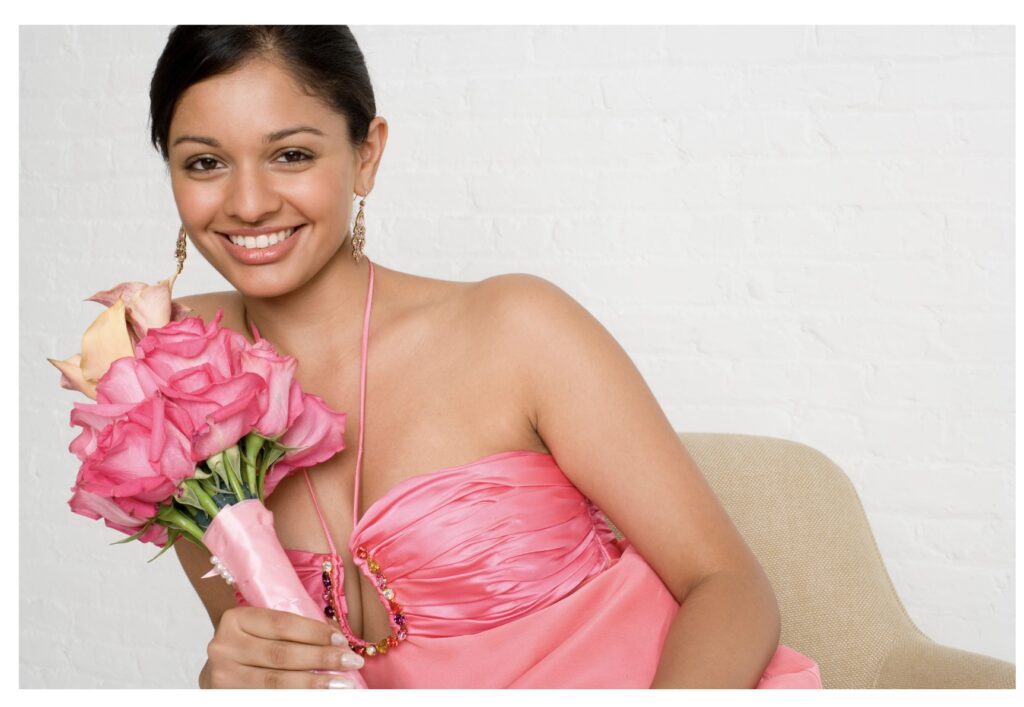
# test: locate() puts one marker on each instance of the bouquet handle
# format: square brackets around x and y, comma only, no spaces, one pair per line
[242,536]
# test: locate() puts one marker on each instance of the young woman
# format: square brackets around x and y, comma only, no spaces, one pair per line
[499,442]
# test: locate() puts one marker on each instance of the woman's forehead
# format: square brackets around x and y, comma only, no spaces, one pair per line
[251,102]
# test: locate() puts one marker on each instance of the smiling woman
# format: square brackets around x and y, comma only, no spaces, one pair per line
[480,551]
[241,176]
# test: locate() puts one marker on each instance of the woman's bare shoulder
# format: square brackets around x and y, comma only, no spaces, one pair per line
[483,307]
[508,298]
[206,304]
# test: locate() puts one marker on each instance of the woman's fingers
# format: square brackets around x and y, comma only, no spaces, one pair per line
[254,647]
[267,679]
[282,625]
[271,625]
[288,655]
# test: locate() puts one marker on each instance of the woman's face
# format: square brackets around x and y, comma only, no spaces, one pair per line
[230,172]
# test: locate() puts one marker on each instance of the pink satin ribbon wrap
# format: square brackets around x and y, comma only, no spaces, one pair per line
[242,535]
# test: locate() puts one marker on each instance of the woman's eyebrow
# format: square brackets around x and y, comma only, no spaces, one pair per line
[270,137]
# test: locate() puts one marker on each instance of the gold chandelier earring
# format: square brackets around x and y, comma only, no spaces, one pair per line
[179,251]
[359,233]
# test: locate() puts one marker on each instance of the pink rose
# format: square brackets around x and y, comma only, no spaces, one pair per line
[190,342]
[124,514]
[320,434]
[221,410]
[282,400]
[139,458]
[128,380]
[93,418]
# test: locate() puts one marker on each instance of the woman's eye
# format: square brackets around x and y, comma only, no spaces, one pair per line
[301,156]
[208,164]
[191,166]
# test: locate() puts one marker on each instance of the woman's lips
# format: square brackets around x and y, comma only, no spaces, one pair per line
[263,256]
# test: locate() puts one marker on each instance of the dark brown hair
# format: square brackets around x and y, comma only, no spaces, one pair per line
[324,59]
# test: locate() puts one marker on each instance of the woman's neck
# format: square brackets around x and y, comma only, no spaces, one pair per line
[319,321]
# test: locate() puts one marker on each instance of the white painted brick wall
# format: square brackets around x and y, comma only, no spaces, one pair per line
[801,232]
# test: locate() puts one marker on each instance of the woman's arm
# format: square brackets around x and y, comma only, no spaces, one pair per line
[724,635]
[600,420]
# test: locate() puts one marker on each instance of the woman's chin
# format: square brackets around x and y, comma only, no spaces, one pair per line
[257,282]
[269,288]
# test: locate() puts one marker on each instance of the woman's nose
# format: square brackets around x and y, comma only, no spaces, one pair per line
[251,196]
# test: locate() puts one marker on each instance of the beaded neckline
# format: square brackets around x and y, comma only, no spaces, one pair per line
[385,592]
[335,608]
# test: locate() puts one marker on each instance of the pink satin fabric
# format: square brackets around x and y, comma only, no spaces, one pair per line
[242,536]
[509,577]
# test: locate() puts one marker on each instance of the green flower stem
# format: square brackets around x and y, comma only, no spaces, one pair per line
[250,479]
[236,484]
[181,521]
[234,480]
[252,445]
[270,457]
[204,499]
[212,484]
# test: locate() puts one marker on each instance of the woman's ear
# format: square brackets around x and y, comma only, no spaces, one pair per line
[368,155]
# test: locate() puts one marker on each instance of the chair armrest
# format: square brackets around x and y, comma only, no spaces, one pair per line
[916,661]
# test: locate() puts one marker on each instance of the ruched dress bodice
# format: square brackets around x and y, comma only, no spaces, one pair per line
[501,573]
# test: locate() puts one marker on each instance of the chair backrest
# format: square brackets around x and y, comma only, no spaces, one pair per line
[802,517]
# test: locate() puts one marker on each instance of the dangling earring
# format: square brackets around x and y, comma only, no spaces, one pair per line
[359,233]
[179,251]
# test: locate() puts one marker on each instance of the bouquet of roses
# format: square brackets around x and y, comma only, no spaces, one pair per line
[191,429]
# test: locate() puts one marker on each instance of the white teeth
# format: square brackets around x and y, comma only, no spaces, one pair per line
[262,241]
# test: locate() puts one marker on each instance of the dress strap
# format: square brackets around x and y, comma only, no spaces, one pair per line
[323,521]
[362,396]
[362,411]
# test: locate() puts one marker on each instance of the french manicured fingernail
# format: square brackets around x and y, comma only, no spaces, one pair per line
[352,660]
[338,639]
[341,682]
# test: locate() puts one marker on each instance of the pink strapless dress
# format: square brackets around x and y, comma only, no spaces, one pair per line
[500,573]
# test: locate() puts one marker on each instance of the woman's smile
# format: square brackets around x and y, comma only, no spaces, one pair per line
[266,247]
[267,176]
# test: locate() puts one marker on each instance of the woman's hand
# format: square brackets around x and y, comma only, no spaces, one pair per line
[265,648]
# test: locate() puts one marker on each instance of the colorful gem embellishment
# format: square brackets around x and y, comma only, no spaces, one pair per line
[331,611]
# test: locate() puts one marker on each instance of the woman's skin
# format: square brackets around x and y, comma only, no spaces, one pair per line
[310,305]
[456,371]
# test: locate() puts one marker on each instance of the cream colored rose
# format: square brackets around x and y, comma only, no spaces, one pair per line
[133,308]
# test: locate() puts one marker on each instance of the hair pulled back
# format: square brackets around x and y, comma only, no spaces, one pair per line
[324,59]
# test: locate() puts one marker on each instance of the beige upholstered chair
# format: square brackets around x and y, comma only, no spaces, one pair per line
[803,519]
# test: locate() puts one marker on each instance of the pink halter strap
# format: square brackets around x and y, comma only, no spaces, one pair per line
[362,425]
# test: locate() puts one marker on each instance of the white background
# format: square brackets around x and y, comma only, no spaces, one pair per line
[794,231]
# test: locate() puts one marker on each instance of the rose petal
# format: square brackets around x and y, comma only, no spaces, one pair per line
[128,380]
[93,505]
[150,307]
[105,341]
[108,297]
[72,377]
